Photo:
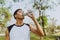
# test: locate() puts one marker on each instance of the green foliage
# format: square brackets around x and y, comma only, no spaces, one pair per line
[16,0]
[58,27]
[4,16]
[49,38]
[38,5]
[2,37]
[35,6]
[2,2]
[44,18]
[44,7]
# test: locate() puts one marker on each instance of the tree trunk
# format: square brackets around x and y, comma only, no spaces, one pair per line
[43,25]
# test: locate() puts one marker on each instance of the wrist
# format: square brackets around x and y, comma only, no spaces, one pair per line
[33,18]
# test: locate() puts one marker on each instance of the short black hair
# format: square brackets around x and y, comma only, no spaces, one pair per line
[16,12]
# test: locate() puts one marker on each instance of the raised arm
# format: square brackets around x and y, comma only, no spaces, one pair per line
[38,30]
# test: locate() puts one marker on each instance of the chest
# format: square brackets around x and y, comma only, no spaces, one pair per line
[24,30]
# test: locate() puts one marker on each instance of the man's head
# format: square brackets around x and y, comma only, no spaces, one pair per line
[18,14]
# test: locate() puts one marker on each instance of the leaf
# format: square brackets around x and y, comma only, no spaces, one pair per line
[7,15]
[2,2]
[16,0]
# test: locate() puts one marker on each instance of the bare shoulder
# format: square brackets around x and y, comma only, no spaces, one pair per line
[32,28]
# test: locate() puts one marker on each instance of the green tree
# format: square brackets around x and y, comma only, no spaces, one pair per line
[16,0]
[5,16]
[58,27]
[42,6]
[2,1]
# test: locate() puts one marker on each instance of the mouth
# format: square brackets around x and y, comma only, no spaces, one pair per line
[21,18]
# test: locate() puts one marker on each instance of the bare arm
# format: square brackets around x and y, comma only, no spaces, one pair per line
[38,30]
[7,35]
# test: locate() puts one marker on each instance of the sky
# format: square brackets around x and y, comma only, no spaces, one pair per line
[25,5]
[55,14]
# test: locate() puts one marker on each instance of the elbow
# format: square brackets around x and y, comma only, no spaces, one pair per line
[41,34]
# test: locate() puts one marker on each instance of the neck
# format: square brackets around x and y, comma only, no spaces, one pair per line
[19,22]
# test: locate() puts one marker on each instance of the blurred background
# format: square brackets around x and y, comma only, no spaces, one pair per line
[45,11]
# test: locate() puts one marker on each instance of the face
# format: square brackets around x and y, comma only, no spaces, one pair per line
[19,15]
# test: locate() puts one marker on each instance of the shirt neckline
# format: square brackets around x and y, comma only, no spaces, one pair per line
[19,25]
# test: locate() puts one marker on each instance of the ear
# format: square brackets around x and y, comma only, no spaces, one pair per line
[15,15]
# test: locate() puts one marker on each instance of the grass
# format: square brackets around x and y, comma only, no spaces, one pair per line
[2,38]
[35,37]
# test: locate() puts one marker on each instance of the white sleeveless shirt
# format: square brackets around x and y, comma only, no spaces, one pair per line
[20,33]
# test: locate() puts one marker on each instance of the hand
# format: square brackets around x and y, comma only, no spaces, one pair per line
[30,15]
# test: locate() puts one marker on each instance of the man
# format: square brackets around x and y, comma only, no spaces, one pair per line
[21,30]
